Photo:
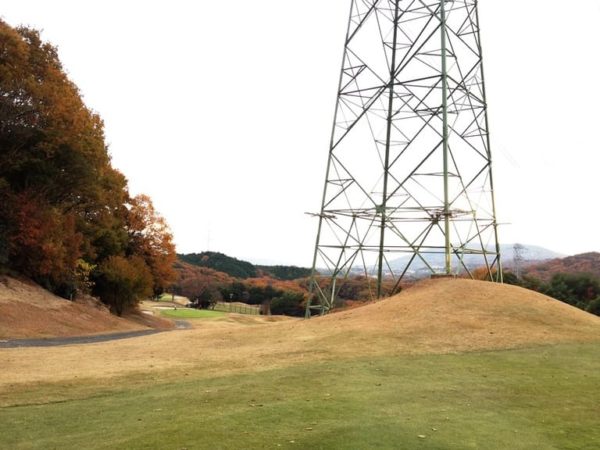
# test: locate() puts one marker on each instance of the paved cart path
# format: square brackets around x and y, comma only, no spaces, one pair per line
[73,340]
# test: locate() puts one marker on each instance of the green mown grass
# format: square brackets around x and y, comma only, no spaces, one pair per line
[167,297]
[191,313]
[545,398]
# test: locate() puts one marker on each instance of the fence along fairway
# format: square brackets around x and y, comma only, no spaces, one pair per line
[238,308]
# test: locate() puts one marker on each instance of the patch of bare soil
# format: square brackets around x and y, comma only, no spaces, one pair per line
[441,316]
[28,311]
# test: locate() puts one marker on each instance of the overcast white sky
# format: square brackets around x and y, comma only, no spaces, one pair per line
[221,112]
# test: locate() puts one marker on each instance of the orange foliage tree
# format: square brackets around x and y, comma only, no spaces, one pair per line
[197,283]
[151,238]
[62,204]
[44,243]
[123,282]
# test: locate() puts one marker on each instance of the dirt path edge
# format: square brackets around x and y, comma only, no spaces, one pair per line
[93,339]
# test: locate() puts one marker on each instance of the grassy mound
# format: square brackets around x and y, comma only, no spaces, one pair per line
[456,315]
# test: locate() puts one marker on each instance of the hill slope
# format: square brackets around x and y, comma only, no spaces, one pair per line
[584,263]
[434,317]
[221,263]
[242,269]
[28,311]
[455,315]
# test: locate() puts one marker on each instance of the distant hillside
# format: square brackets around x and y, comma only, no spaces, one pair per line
[285,272]
[588,263]
[221,263]
[187,271]
[242,269]
[530,253]
[207,285]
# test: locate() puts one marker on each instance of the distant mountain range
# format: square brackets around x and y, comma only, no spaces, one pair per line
[537,261]
[529,253]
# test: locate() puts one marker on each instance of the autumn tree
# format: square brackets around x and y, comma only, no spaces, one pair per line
[51,142]
[54,166]
[63,208]
[44,243]
[123,282]
[289,304]
[201,290]
[151,238]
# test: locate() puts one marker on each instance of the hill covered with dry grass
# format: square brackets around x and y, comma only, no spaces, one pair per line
[433,317]
[454,315]
[28,311]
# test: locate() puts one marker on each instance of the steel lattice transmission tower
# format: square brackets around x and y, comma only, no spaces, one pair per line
[410,169]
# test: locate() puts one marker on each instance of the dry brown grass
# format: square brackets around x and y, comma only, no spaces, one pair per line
[28,311]
[441,316]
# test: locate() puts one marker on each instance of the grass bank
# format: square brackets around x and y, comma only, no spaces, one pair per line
[543,398]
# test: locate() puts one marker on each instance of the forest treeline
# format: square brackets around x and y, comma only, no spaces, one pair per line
[561,280]
[242,269]
[210,277]
[205,285]
[67,219]
[581,290]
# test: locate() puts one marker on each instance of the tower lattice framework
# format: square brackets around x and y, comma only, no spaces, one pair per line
[409,175]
